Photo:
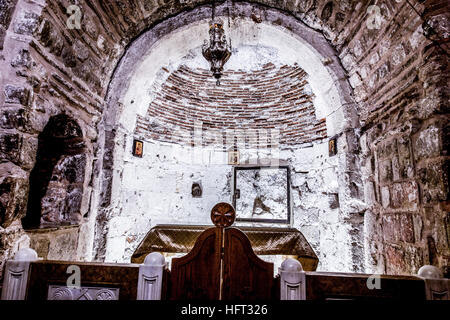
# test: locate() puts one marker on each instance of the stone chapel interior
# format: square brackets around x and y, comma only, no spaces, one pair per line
[328,131]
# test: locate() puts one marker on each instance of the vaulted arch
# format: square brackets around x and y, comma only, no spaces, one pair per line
[164,50]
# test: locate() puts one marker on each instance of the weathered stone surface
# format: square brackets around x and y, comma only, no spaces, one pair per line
[427,145]
[398,227]
[433,177]
[17,95]
[13,118]
[405,195]
[402,260]
[6,10]
[10,144]
[13,194]
[62,201]
[26,23]
[386,171]
[54,244]
[22,59]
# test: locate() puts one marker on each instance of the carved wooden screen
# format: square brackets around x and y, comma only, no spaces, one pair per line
[222,265]
[197,274]
[245,276]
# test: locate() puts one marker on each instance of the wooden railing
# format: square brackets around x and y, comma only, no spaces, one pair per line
[27,278]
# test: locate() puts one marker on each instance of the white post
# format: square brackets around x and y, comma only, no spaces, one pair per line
[436,286]
[292,280]
[150,277]
[16,275]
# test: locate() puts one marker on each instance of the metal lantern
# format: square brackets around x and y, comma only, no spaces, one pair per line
[217,52]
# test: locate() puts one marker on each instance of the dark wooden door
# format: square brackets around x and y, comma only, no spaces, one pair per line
[245,276]
[197,274]
[222,265]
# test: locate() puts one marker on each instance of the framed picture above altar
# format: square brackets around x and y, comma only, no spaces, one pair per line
[262,194]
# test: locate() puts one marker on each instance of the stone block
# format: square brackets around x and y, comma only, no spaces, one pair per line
[63,245]
[433,177]
[6,11]
[10,145]
[402,260]
[81,51]
[13,118]
[406,227]
[385,196]
[369,192]
[28,152]
[41,245]
[26,23]
[404,168]
[16,95]
[385,171]
[405,195]
[13,194]
[386,149]
[398,227]
[427,144]
[398,55]
[50,38]
[396,174]
[69,57]
[383,71]
[22,59]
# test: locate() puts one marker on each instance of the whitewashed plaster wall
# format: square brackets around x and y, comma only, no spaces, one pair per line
[156,189]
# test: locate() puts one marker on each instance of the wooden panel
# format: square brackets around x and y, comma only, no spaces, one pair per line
[323,285]
[45,273]
[197,274]
[245,276]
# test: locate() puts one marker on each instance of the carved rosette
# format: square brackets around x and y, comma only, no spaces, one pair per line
[223,215]
[62,294]
[105,294]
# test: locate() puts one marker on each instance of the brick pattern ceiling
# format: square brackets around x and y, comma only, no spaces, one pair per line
[274,97]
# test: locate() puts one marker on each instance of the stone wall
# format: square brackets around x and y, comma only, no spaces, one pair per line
[396,62]
[403,139]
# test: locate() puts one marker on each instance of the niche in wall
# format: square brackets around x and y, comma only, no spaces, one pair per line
[56,181]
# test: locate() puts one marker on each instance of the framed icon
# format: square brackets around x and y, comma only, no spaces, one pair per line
[233,157]
[138,148]
[262,194]
[332,147]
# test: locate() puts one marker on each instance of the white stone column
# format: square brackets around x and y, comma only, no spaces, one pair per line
[150,277]
[16,275]
[436,286]
[292,280]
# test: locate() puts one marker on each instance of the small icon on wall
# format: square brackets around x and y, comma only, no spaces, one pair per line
[196,190]
[138,148]
[332,147]
[233,157]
